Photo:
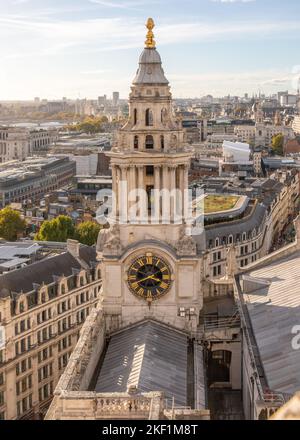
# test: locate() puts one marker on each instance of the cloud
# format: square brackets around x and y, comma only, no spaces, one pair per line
[232,1]
[123,5]
[46,36]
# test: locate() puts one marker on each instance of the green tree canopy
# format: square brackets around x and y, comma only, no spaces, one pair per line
[87,232]
[11,224]
[89,125]
[278,143]
[59,229]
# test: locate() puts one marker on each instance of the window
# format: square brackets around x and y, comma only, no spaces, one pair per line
[136,142]
[1,378]
[162,142]
[217,242]
[1,397]
[24,405]
[149,170]
[230,239]
[63,289]
[216,270]
[149,118]
[149,142]
[21,307]
[45,391]
[134,116]
[216,256]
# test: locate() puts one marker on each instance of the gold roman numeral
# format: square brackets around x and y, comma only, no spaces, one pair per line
[140,262]
[163,285]
[149,260]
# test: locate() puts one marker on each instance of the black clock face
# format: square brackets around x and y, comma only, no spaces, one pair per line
[149,277]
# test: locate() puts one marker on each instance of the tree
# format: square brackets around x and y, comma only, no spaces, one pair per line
[59,229]
[87,232]
[11,224]
[277,144]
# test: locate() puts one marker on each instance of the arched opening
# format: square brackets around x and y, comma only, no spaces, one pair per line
[149,142]
[219,366]
[149,117]
[135,116]
[136,142]
[162,142]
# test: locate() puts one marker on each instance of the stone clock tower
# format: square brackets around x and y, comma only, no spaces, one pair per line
[150,267]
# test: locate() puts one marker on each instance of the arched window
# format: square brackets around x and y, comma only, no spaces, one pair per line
[149,142]
[244,236]
[149,118]
[162,142]
[136,142]
[230,239]
[135,116]
[217,242]
[63,289]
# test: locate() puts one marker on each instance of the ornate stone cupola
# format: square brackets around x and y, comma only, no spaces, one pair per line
[150,152]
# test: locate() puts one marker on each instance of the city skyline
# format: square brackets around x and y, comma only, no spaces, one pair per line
[87,48]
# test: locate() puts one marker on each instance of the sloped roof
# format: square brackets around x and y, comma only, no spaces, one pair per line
[22,280]
[151,357]
[274,310]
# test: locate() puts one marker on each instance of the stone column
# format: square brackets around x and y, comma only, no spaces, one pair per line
[132,186]
[142,194]
[118,179]
[115,190]
[181,188]
[166,194]
[185,187]
[123,194]
[157,188]
[173,192]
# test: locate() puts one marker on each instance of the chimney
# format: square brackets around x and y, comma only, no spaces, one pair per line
[73,247]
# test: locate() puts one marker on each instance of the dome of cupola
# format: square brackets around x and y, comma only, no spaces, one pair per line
[150,69]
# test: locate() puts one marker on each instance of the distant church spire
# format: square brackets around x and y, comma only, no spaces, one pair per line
[150,42]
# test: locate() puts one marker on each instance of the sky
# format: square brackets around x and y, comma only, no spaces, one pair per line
[88,48]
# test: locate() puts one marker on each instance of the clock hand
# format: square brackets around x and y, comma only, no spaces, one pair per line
[150,277]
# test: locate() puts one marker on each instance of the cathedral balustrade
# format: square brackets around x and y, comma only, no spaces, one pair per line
[126,405]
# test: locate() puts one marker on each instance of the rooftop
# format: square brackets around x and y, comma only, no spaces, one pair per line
[150,357]
[271,296]
[45,271]
[217,203]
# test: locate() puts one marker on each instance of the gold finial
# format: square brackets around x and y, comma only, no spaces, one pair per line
[150,42]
